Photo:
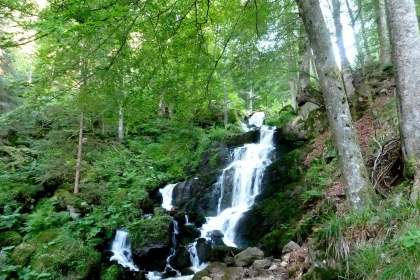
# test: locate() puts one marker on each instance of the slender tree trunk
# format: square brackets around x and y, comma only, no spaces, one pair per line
[383,33]
[251,97]
[405,42]
[293,94]
[364,36]
[79,156]
[360,54]
[314,71]
[225,104]
[359,189]
[345,64]
[121,123]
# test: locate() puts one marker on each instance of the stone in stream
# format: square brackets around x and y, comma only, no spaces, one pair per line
[181,259]
[216,268]
[201,274]
[224,254]
[197,218]
[248,256]
[261,264]
[217,238]
[187,271]
[203,250]
[168,274]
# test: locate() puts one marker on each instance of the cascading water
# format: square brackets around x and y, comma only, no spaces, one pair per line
[247,168]
[121,247]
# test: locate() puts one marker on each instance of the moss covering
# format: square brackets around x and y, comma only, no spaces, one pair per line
[22,254]
[10,238]
[148,231]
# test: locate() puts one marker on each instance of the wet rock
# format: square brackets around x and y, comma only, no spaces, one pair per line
[227,189]
[289,247]
[156,196]
[180,218]
[234,273]
[199,275]
[263,264]
[224,254]
[181,259]
[152,257]
[187,271]
[217,268]
[197,218]
[217,238]
[168,274]
[187,234]
[203,250]
[145,204]
[248,256]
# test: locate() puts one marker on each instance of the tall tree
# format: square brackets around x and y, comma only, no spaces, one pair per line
[383,33]
[353,19]
[405,41]
[359,189]
[363,31]
[345,64]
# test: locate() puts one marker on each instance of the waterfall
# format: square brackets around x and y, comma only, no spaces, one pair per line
[121,247]
[247,169]
[167,196]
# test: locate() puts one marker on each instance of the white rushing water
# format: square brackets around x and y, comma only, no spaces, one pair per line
[121,247]
[247,170]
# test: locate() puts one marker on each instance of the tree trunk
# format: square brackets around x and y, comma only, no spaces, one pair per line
[293,94]
[225,104]
[360,54]
[364,36]
[345,64]
[305,68]
[251,96]
[383,33]
[79,156]
[358,187]
[405,42]
[121,124]
[162,107]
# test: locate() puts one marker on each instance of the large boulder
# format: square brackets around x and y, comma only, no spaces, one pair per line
[203,250]
[311,121]
[234,273]
[151,256]
[261,264]
[248,256]
[289,247]
[187,234]
[181,259]
[201,274]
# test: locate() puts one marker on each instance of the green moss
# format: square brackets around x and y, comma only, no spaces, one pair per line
[319,273]
[154,230]
[64,256]
[22,254]
[65,198]
[10,238]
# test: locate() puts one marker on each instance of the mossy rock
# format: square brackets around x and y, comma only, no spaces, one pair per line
[148,231]
[22,254]
[46,236]
[10,238]
[65,198]
[201,274]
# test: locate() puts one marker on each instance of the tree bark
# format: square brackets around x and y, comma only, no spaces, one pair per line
[364,36]
[360,54]
[120,124]
[79,156]
[305,68]
[345,64]
[358,187]
[405,43]
[162,107]
[383,33]
[293,94]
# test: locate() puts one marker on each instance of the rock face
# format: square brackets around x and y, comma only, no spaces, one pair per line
[248,256]
[151,256]
[217,238]
[224,254]
[310,122]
